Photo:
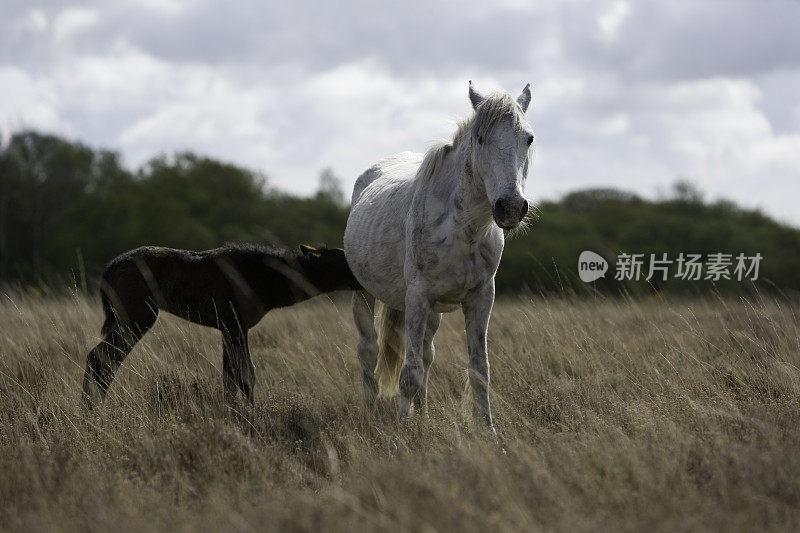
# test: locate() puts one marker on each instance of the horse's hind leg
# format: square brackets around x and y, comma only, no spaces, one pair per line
[105,358]
[237,365]
[421,399]
[364,315]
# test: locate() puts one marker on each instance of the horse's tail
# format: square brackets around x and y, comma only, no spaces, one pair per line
[390,349]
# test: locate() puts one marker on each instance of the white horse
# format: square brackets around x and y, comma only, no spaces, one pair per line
[425,236]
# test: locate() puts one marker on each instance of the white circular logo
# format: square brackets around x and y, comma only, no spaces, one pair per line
[591,266]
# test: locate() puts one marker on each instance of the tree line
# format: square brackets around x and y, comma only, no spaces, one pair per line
[66,209]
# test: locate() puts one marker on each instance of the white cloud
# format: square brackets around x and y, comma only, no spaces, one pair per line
[201,110]
[170,7]
[29,103]
[73,20]
[610,20]
[643,136]
[37,20]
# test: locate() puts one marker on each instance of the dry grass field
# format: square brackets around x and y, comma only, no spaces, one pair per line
[612,415]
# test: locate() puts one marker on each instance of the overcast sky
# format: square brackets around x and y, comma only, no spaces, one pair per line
[630,94]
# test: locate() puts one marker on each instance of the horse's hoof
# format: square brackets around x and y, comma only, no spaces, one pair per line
[403,407]
[490,434]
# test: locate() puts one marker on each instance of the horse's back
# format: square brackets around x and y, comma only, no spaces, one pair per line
[374,239]
[400,167]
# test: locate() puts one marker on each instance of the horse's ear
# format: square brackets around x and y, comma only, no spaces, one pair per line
[306,249]
[474,96]
[524,99]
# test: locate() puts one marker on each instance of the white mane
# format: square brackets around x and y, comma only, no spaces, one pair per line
[486,117]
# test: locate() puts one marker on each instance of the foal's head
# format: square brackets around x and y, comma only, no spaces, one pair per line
[327,269]
[502,142]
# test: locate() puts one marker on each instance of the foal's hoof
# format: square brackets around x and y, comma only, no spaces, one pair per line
[87,404]
[90,396]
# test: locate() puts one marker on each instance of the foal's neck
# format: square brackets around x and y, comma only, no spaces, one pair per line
[293,281]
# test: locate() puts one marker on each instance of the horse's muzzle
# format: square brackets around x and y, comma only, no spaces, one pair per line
[509,212]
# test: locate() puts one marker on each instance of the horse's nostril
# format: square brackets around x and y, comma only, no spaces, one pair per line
[524,210]
[499,208]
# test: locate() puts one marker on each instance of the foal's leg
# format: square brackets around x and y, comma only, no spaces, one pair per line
[364,316]
[228,374]
[237,365]
[421,400]
[477,311]
[247,372]
[418,306]
[105,358]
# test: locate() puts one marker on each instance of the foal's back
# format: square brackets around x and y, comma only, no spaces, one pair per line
[208,288]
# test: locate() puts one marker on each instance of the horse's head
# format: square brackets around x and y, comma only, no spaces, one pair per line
[502,143]
[328,269]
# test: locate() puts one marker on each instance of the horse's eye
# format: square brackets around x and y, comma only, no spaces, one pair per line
[480,139]
[530,139]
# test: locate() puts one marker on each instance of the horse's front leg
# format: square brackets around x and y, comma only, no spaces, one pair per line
[477,310]
[418,305]
[428,351]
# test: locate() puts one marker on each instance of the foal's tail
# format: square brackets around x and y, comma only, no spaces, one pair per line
[390,349]
[108,309]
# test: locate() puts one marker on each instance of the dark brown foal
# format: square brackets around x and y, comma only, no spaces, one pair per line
[229,288]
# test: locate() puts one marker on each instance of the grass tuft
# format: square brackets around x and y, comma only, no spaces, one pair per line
[611,415]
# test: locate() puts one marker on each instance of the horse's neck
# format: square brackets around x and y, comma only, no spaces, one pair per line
[468,201]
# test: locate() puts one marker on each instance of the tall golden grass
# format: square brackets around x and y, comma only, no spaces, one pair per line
[656,415]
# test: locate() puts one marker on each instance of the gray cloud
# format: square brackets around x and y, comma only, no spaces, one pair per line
[687,40]
[415,37]
[632,94]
